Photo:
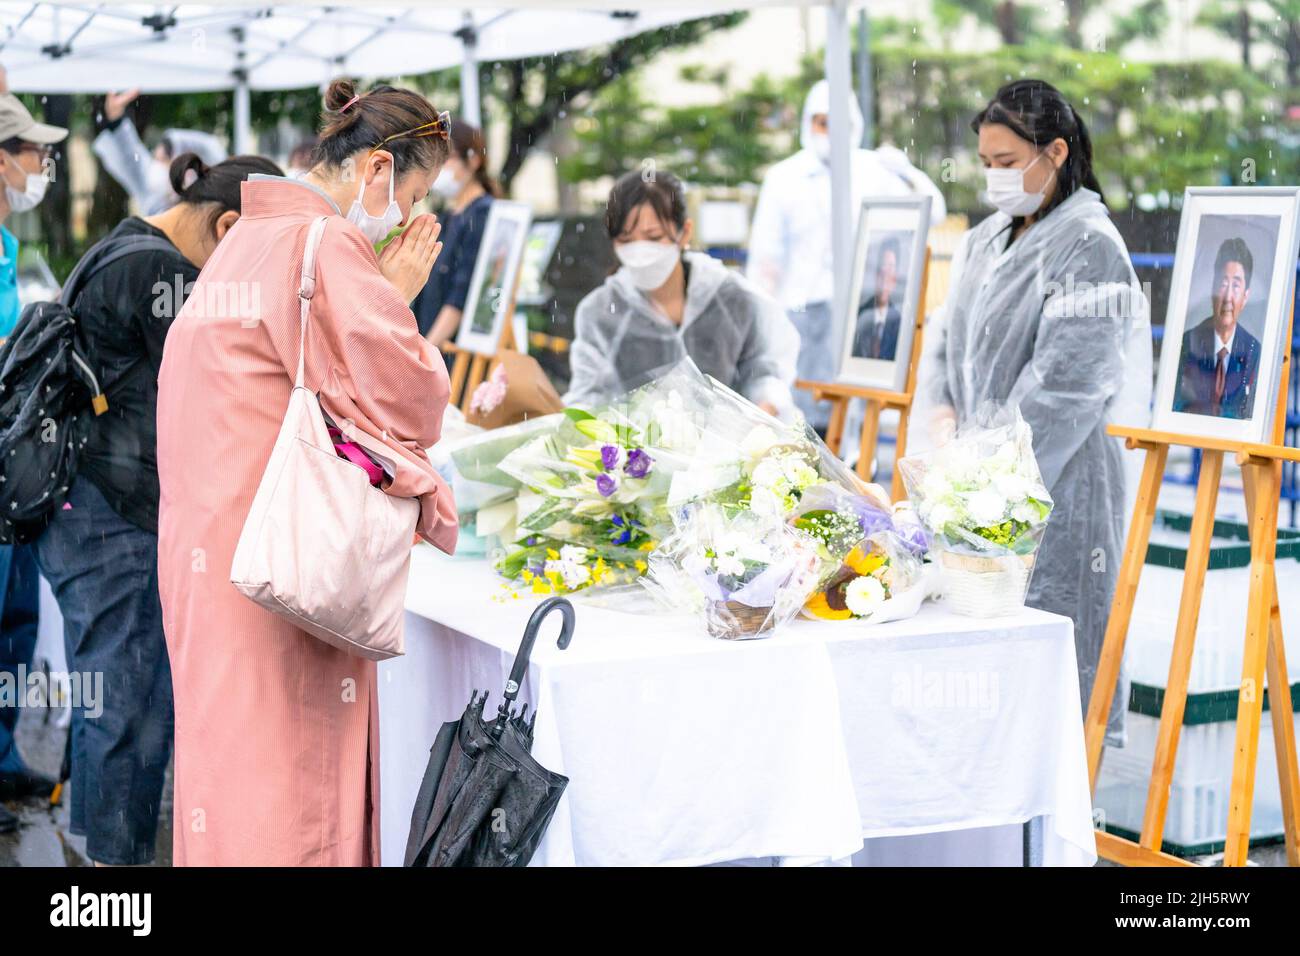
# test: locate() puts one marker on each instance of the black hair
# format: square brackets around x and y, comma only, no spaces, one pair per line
[1037,112]
[1234,250]
[353,122]
[219,186]
[13,144]
[663,191]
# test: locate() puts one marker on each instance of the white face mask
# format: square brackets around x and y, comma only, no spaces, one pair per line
[1005,191]
[447,185]
[375,227]
[649,263]
[821,146]
[31,195]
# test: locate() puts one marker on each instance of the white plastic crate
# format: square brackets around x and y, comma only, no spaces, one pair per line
[1197,818]
[1221,626]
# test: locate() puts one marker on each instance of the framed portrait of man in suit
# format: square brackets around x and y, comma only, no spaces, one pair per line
[889,256]
[1229,302]
[493,281]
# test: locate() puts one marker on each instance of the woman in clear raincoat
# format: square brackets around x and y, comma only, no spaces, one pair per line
[665,304]
[1044,312]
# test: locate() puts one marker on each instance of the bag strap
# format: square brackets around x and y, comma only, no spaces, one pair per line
[307,288]
[105,253]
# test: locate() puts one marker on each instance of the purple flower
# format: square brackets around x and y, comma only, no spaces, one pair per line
[638,463]
[609,456]
[606,485]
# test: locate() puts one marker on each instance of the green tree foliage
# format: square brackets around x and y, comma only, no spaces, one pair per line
[1156,127]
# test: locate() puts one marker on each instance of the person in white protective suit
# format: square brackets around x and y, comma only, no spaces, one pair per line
[1044,312]
[665,303]
[790,238]
[145,173]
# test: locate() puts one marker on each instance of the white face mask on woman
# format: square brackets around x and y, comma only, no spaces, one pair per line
[31,196]
[447,185]
[1005,191]
[375,227]
[649,263]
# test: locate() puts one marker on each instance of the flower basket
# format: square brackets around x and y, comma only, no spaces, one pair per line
[734,621]
[985,585]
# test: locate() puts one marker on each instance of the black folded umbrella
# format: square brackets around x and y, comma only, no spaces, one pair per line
[484,800]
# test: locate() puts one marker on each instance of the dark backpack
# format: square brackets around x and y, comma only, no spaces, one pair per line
[50,392]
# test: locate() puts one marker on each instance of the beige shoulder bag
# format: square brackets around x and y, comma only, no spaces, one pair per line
[321,546]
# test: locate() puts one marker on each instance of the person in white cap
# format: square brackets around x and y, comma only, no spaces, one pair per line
[790,239]
[25,153]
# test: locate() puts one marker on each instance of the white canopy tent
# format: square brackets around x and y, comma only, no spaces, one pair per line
[180,48]
[61,47]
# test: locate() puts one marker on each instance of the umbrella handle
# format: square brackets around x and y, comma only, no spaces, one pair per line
[526,645]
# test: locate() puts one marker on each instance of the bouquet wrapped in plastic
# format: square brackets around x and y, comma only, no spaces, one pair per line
[746,572]
[468,458]
[593,490]
[982,498]
[872,557]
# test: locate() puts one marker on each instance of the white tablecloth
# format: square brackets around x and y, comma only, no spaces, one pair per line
[684,749]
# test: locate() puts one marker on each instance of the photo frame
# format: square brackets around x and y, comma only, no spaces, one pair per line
[888,263]
[539,250]
[495,273]
[1234,276]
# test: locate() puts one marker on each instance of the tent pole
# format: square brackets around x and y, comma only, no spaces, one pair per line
[864,80]
[243,133]
[843,216]
[470,106]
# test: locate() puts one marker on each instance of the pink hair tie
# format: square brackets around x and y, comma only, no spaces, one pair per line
[344,107]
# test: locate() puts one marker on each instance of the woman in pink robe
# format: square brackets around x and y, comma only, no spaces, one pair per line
[276,731]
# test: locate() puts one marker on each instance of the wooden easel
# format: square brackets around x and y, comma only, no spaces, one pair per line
[1261,468]
[470,368]
[840,394]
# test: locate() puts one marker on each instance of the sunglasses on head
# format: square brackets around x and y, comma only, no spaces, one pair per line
[439,127]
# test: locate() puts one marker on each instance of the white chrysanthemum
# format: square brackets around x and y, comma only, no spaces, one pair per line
[573,573]
[766,502]
[730,565]
[1012,486]
[574,553]
[864,595]
[768,473]
[939,515]
[799,473]
[759,441]
[1026,512]
[986,507]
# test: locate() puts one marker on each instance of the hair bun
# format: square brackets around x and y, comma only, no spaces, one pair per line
[339,93]
[186,169]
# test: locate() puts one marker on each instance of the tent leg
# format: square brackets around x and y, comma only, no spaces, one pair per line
[470,105]
[243,132]
[843,217]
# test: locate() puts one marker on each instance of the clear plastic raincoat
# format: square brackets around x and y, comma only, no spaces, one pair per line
[731,330]
[1055,324]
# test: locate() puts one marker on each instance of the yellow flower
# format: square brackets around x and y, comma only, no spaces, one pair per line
[641,566]
[553,554]
[647,546]
[864,562]
[818,606]
[541,587]
[527,576]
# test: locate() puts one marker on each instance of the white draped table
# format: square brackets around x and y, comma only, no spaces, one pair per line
[687,750]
